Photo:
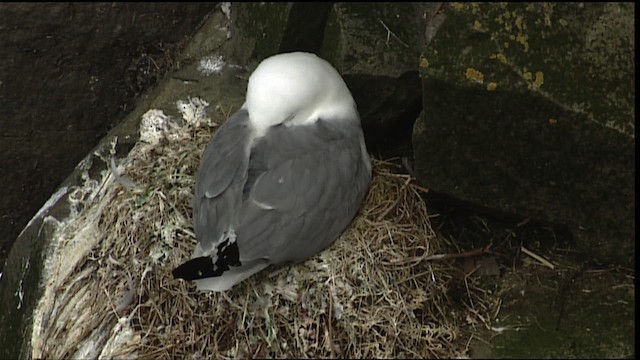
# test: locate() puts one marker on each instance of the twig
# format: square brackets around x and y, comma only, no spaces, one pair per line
[389,32]
[395,203]
[418,187]
[542,260]
[471,253]
[466,285]
[495,315]
[523,222]
[333,356]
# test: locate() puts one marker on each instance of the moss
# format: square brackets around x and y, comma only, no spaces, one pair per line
[565,314]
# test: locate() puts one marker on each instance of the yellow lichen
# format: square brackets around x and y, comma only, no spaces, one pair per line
[522,39]
[491,86]
[519,20]
[474,75]
[552,121]
[539,79]
[507,26]
[456,5]
[563,22]
[477,25]
[499,56]
[424,63]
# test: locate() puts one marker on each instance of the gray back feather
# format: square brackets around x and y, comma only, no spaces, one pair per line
[288,195]
[313,178]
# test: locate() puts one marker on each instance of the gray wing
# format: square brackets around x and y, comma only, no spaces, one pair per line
[286,196]
[221,177]
[304,186]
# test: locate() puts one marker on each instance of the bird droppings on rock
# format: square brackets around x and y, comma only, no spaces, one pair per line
[211,64]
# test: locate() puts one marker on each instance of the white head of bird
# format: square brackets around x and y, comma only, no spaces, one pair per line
[296,89]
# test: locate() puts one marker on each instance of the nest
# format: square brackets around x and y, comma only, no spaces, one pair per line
[369,295]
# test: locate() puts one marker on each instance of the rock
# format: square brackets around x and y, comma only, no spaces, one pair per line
[376,49]
[529,110]
[282,27]
[68,73]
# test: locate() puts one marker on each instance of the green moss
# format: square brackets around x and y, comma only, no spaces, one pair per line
[562,314]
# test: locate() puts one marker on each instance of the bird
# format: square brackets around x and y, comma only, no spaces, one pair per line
[282,178]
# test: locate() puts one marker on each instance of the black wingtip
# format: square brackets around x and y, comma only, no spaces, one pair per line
[195,269]
[204,267]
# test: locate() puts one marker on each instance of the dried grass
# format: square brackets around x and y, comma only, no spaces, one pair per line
[370,295]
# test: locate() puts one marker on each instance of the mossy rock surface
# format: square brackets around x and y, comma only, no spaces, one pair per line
[527,112]
[376,48]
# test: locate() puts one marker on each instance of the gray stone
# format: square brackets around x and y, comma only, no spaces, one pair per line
[282,27]
[376,49]
[574,315]
[68,73]
[529,109]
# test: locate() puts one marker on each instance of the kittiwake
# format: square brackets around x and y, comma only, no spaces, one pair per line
[282,178]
